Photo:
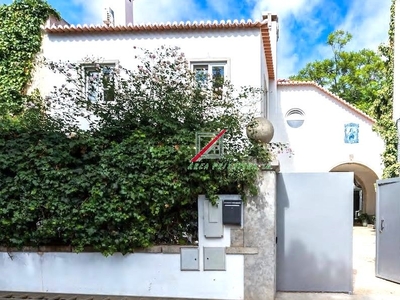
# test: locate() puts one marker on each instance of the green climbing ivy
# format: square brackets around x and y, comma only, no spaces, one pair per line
[125,181]
[20,41]
[383,106]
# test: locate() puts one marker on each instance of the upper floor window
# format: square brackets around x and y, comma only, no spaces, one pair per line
[215,71]
[99,81]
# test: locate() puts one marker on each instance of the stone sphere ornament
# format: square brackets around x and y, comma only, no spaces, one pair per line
[261,130]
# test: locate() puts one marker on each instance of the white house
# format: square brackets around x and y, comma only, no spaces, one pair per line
[327,134]
[245,52]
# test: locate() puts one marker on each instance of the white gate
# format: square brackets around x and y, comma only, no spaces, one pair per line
[387,229]
[315,232]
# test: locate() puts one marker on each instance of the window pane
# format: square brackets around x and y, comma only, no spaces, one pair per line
[201,73]
[218,72]
[108,84]
[218,79]
[218,75]
[92,84]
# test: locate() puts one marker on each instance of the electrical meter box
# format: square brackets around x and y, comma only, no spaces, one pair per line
[232,212]
[213,227]
[190,259]
[214,259]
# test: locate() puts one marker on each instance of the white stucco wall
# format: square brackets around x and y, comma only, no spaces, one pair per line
[241,48]
[318,145]
[137,274]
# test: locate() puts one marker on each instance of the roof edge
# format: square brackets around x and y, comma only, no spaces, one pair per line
[266,40]
[154,26]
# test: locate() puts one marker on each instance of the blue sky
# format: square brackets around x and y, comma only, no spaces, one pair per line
[304,24]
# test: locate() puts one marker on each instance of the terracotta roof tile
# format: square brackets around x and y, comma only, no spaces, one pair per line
[286,82]
[155,26]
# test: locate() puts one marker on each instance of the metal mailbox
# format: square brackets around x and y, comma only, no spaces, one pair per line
[232,212]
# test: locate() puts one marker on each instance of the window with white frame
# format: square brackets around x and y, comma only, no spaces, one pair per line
[215,71]
[99,81]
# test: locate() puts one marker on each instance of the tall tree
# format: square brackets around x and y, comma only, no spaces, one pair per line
[356,76]
[383,106]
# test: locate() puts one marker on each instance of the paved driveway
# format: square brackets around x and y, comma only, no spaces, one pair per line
[366,285]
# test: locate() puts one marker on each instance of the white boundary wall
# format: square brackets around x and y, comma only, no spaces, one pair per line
[137,274]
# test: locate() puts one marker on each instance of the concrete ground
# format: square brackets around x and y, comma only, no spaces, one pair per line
[366,285]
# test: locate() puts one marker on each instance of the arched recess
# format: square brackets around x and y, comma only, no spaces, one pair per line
[365,178]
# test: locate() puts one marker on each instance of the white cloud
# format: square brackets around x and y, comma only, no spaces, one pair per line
[145,11]
[304,25]
[93,10]
[166,10]
[220,6]
[368,22]
[298,28]
[285,8]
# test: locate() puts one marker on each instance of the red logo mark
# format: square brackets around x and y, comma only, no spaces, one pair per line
[207,147]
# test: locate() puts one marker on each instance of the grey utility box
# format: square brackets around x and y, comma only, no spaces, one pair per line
[232,212]
[214,259]
[190,259]
[213,227]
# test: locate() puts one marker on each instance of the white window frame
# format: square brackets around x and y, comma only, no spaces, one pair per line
[87,67]
[210,63]
[214,62]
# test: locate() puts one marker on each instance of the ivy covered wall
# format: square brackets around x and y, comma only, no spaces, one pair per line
[20,41]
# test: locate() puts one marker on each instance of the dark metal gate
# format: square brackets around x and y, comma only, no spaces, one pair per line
[315,232]
[387,229]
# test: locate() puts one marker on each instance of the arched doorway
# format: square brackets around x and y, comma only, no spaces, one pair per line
[364,186]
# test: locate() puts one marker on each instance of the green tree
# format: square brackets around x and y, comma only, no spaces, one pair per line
[355,76]
[383,106]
